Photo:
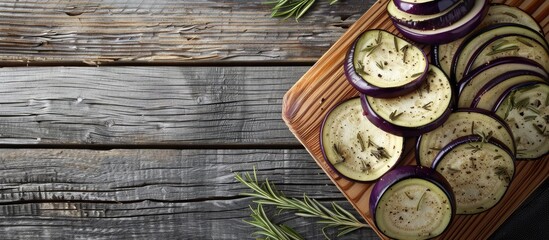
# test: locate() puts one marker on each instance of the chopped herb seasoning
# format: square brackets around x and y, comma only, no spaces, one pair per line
[502,174]
[379,65]
[396,43]
[523,41]
[529,118]
[427,106]
[339,155]
[510,15]
[361,142]
[420,200]
[504,49]
[394,115]
[404,50]
[409,196]
[416,74]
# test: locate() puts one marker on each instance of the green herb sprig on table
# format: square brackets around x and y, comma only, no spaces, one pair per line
[291,8]
[269,229]
[267,194]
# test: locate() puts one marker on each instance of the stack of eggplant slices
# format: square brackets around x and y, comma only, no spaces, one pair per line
[481,104]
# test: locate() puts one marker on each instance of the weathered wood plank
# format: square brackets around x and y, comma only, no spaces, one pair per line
[166,31]
[159,194]
[146,194]
[189,106]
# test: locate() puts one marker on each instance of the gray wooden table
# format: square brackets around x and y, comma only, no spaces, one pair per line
[127,119]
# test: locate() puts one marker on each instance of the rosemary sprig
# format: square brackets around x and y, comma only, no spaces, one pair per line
[379,65]
[339,154]
[417,75]
[291,8]
[503,49]
[268,229]
[404,50]
[360,68]
[428,106]
[510,14]
[523,41]
[522,103]
[267,194]
[395,42]
[361,142]
[420,200]
[370,49]
[394,115]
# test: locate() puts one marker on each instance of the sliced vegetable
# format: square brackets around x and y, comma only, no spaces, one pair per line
[354,147]
[506,46]
[414,113]
[470,96]
[412,202]
[461,123]
[479,170]
[424,7]
[448,34]
[383,65]
[473,80]
[526,111]
[432,21]
[488,95]
[470,47]
[498,13]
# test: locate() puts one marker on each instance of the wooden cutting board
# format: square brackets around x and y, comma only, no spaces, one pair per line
[324,85]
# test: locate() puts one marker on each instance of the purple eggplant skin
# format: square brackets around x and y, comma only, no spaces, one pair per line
[407,172]
[469,66]
[439,22]
[326,157]
[476,110]
[449,34]
[378,91]
[501,78]
[404,131]
[506,60]
[473,36]
[427,8]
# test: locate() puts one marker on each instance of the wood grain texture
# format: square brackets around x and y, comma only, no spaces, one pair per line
[324,85]
[149,194]
[166,31]
[191,106]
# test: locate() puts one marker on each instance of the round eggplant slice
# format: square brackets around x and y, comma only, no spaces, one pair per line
[424,7]
[468,49]
[354,147]
[448,34]
[509,46]
[383,65]
[525,108]
[488,95]
[473,96]
[498,13]
[412,202]
[432,21]
[479,169]
[415,113]
[461,123]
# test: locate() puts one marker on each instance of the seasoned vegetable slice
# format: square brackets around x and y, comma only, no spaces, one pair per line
[461,123]
[414,113]
[412,202]
[479,170]
[383,65]
[354,147]
[526,111]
